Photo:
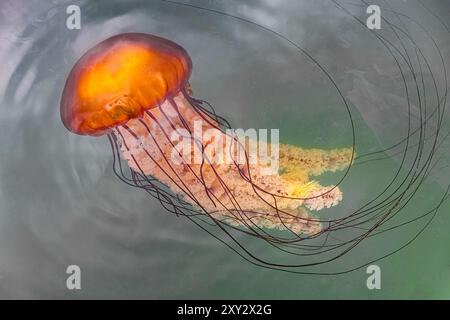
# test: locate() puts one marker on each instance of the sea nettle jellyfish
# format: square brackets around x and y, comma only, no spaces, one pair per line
[134,88]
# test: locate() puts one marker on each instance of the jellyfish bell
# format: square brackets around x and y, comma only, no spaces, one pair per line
[134,88]
[120,78]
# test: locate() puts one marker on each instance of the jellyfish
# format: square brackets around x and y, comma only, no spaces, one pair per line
[135,89]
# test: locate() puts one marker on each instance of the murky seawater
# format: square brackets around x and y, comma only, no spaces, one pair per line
[60,203]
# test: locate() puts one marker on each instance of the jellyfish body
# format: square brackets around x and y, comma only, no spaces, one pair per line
[134,88]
